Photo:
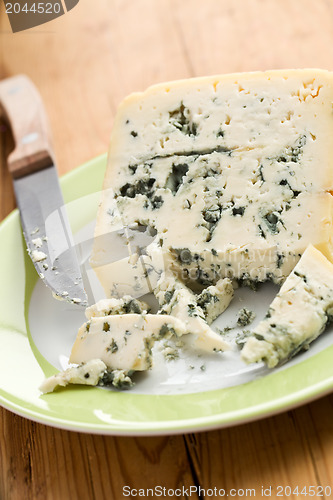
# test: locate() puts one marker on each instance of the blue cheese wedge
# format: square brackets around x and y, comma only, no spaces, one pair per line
[234,173]
[298,314]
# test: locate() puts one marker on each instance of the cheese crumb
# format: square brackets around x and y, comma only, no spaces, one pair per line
[37,242]
[38,256]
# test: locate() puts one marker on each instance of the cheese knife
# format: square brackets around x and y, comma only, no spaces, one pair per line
[36,185]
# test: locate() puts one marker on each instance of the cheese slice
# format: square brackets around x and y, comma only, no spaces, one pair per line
[233,172]
[125,341]
[297,315]
[122,342]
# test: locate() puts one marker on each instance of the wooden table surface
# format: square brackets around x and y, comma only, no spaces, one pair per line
[84,63]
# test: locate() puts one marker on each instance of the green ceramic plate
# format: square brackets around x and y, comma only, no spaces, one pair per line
[23,365]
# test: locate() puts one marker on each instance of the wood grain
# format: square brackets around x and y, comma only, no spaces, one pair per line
[84,63]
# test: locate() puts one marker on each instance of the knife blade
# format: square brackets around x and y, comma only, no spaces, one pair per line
[37,190]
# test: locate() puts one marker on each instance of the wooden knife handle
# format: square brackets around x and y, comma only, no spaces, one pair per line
[24,111]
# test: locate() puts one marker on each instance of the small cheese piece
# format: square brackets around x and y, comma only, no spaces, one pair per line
[214,300]
[92,372]
[109,307]
[178,300]
[89,373]
[297,315]
[245,317]
[233,172]
[38,256]
[38,242]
